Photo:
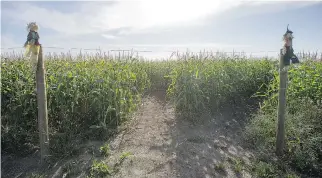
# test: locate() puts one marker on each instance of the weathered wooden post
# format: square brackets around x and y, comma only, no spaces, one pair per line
[42,107]
[281,107]
[286,55]
[34,51]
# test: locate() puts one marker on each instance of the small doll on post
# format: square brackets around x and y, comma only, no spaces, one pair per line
[288,52]
[32,44]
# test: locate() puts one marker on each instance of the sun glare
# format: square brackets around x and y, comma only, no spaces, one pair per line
[144,14]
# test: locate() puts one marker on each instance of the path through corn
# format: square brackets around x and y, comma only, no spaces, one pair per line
[163,146]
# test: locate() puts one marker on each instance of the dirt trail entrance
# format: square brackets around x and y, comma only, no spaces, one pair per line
[164,146]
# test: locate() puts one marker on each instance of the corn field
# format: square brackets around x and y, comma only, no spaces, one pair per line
[89,97]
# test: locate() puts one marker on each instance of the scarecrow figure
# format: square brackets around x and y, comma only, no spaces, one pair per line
[288,52]
[32,44]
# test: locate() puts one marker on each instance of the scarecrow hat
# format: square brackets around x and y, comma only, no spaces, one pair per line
[32,25]
[288,31]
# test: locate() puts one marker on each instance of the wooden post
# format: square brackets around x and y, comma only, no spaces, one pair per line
[280,135]
[42,107]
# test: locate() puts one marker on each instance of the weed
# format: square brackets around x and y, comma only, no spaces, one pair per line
[105,150]
[220,167]
[123,156]
[99,169]
[237,163]
[264,170]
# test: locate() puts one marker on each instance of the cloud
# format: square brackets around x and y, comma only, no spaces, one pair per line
[90,23]
[64,23]
[109,36]
[146,14]
[273,6]
[130,16]
[133,23]
[7,40]
[95,17]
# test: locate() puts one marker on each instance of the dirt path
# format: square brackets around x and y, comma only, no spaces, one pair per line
[163,146]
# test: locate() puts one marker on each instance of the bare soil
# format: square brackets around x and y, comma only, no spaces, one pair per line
[161,145]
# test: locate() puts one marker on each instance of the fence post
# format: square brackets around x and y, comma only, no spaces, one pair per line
[280,136]
[42,107]
[286,55]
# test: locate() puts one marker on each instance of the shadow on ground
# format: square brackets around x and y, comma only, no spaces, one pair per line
[76,166]
[165,145]
[210,148]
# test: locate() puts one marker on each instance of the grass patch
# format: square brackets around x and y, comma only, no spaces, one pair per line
[221,168]
[303,152]
[99,169]
[105,150]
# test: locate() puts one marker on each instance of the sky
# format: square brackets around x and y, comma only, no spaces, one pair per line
[162,26]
